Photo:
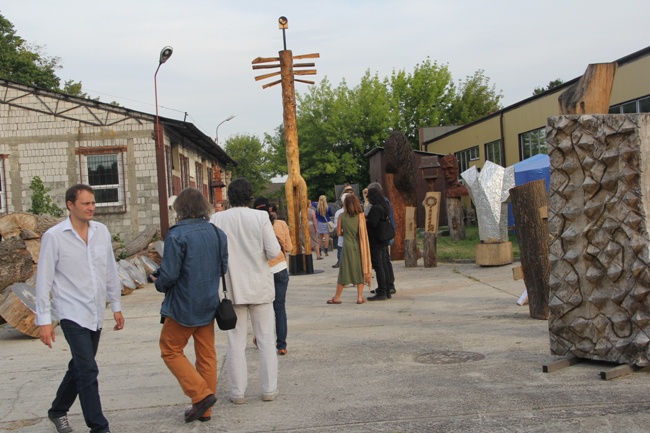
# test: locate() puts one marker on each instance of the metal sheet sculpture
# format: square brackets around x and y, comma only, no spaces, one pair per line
[489,190]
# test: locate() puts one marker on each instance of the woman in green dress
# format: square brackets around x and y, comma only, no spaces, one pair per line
[354,266]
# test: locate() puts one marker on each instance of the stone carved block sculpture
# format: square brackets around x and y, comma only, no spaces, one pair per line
[599,199]
[489,191]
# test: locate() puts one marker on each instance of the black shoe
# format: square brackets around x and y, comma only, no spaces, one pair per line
[377,298]
[197,410]
[393,291]
[336,265]
[61,424]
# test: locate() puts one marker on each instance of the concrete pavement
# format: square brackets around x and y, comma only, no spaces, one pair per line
[451,352]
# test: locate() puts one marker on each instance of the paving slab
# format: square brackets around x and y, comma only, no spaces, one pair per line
[451,352]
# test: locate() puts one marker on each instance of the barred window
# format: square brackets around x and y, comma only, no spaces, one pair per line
[103,169]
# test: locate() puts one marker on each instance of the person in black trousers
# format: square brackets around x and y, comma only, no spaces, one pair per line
[375,221]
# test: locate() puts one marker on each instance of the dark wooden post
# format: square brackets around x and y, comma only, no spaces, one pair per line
[529,206]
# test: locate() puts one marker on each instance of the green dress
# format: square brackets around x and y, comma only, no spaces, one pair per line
[350,269]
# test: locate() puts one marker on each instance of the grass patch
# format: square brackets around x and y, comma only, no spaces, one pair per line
[449,250]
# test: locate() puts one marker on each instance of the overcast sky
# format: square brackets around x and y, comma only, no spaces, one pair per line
[113,46]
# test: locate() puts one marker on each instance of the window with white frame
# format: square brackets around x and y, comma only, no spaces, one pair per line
[465,156]
[3,187]
[103,169]
[532,143]
[493,152]
[641,105]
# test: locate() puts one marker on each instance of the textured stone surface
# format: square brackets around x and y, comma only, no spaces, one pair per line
[598,207]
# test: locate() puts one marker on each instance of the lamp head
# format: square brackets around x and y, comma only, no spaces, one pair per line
[232,116]
[165,54]
[283,23]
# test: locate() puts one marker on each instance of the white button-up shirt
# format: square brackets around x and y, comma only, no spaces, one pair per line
[79,276]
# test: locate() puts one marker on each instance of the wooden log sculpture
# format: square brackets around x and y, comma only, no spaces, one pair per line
[529,206]
[599,225]
[295,186]
[401,191]
[455,190]
[19,309]
[591,93]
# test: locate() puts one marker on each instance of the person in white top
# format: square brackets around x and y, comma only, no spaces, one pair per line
[251,243]
[77,268]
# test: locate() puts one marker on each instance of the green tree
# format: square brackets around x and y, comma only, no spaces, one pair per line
[474,99]
[337,126]
[252,160]
[28,64]
[41,201]
[551,85]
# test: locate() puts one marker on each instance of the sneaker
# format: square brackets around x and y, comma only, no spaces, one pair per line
[61,424]
[269,396]
[238,400]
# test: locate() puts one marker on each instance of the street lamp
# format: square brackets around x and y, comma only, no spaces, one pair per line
[165,54]
[216,138]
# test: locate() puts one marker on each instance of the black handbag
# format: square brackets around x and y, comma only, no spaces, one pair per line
[225,314]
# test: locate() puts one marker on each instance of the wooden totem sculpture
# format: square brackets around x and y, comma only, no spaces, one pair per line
[295,186]
[401,188]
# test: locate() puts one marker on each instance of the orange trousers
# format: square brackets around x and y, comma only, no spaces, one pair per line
[199,380]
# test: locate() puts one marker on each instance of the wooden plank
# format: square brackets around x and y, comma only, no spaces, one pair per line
[271,84]
[265,60]
[543,212]
[517,273]
[274,65]
[304,65]
[261,77]
[617,371]
[307,56]
[305,72]
[560,364]
[304,81]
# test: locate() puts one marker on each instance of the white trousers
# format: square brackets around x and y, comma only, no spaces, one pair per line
[263,320]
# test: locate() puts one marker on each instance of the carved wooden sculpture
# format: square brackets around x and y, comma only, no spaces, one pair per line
[598,219]
[455,190]
[401,188]
[295,186]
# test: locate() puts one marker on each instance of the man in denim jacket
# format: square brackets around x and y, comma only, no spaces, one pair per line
[195,256]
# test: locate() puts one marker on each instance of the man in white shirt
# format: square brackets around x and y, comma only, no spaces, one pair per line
[77,267]
[339,239]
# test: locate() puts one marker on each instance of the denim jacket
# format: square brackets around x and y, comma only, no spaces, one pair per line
[191,268]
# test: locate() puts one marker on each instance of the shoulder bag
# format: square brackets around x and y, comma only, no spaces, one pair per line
[387,230]
[225,315]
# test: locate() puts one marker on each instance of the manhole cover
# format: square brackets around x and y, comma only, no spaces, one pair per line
[448,357]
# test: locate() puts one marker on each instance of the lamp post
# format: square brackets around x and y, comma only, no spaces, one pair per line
[216,138]
[165,54]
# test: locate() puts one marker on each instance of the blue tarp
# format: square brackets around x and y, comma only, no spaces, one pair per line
[534,168]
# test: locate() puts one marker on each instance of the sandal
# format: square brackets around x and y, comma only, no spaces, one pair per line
[333,301]
[361,301]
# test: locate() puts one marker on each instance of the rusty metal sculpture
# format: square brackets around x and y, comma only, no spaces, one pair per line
[295,186]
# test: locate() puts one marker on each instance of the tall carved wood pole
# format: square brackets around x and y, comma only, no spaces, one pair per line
[295,186]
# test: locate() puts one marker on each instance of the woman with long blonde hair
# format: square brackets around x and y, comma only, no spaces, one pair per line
[324,216]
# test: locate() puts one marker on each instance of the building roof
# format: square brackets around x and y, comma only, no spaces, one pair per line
[623,60]
[185,132]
